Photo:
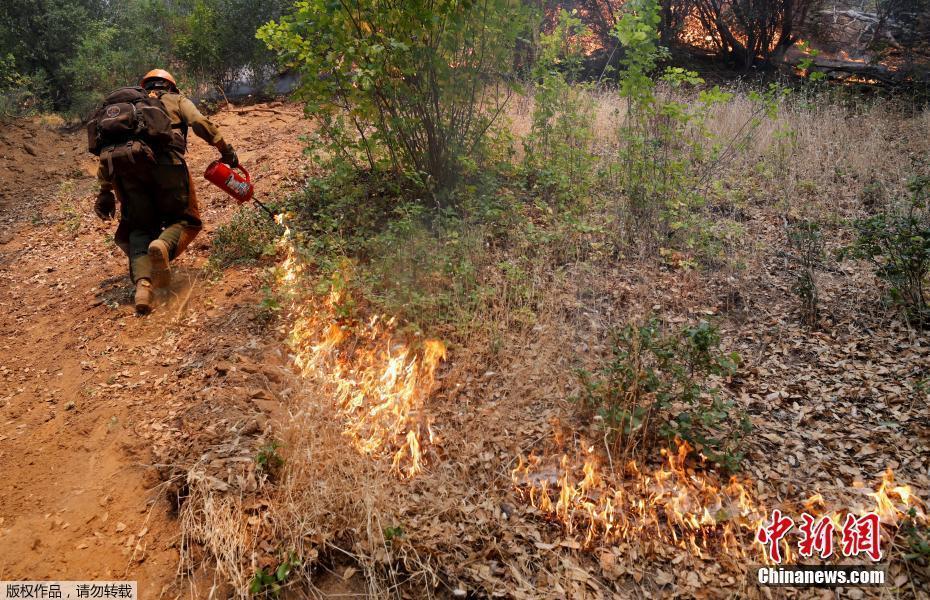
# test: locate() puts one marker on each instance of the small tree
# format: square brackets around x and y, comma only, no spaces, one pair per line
[897,243]
[658,384]
[558,161]
[216,41]
[410,86]
[807,244]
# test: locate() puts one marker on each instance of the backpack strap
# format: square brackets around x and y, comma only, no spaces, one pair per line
[183,127]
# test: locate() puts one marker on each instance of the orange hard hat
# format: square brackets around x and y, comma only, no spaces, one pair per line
[159,74]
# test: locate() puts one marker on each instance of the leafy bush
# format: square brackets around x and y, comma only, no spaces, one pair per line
[41,37]
[667,154]
[116,51]
[268,459]
[657,385]
[216,40]
[271,584]
[69,53]
[558,161]
[372,235]
[409,87]
[19,94]
[897,243]
[917,538]
[248,236]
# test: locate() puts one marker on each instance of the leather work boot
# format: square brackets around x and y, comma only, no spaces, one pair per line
[161,272]
[143,296]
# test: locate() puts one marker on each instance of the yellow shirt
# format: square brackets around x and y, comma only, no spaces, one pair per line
[182,110]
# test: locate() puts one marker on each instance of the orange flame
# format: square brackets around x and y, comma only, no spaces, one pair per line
[675,502]
[378,384]
[889,510]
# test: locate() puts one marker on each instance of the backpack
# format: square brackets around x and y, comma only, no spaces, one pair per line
[128,129]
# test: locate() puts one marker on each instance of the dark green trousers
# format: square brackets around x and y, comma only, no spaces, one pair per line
[155,203]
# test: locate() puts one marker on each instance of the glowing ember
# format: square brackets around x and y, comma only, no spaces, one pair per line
[377,383]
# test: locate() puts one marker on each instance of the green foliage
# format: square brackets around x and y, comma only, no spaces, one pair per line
[200,46]
[656,157]
[808,61]
[375,240]
[392,533]
[917,537]
[270,584]
[409,87]
[216,40]
[116,51]
[897,243]
[806,241]
[558,162]
[248,236]
[42,35]
[268,459]
[67,54]
[667,153]
[19,94]
[270,305]
[637,32]
[659,385]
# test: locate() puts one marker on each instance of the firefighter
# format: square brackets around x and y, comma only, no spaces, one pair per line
[159,216]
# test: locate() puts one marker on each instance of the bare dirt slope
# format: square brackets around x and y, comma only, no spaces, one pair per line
[88,389]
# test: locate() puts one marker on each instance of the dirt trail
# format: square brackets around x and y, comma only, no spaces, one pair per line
[87,389]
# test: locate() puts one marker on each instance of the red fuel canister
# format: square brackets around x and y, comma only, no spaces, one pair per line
[223,177]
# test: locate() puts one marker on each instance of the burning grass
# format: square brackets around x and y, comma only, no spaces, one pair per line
[675,502]
[681,503]
[376,380]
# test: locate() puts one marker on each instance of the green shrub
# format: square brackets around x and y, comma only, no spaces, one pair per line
[897,243]
[667,154]
[268,459]
[271,584]
[19,94]
[558,161]
[68,53]
[396,256]
[216,40]
[116,52]
[917,538]
[248,236]
[658,385]
[409,87]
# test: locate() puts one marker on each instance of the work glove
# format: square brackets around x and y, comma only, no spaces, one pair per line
[105,206]
[229,156]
